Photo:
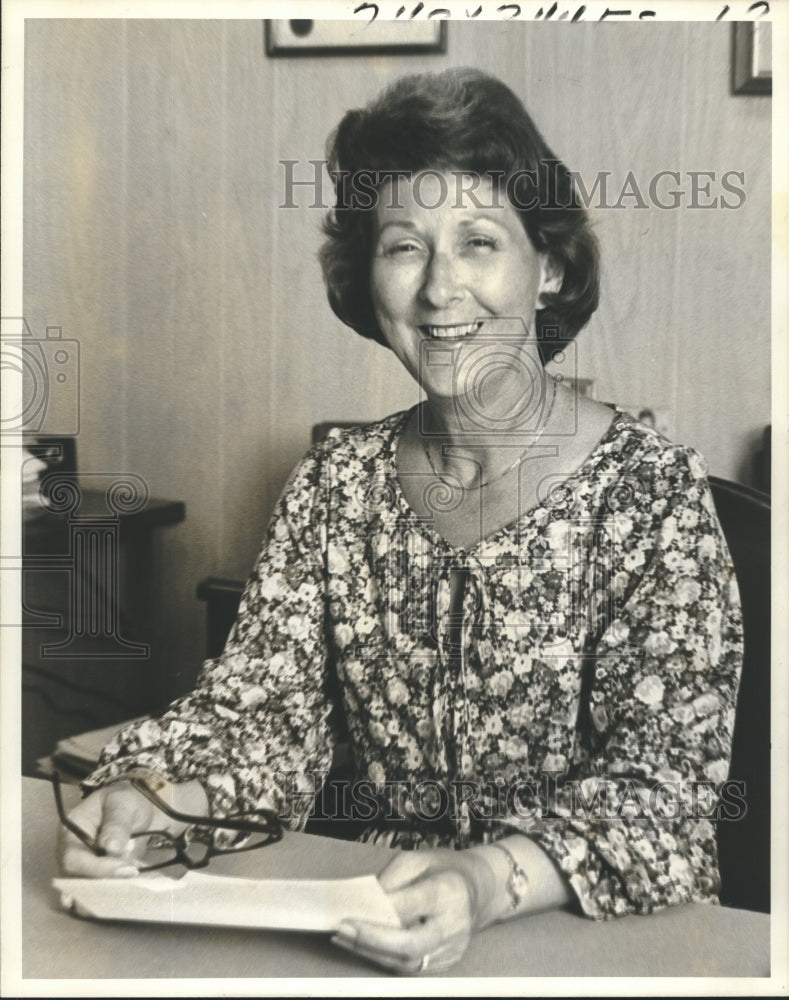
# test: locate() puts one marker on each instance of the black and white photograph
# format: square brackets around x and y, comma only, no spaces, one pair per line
[391,597]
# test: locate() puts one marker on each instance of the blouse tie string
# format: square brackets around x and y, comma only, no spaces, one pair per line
[441,687]
[476,629]
[456,635]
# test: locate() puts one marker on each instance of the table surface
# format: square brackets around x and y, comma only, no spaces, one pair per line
[692,940]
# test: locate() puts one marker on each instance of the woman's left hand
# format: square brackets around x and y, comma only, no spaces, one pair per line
[441,896]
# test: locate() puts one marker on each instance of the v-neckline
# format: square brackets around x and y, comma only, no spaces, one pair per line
[392,444]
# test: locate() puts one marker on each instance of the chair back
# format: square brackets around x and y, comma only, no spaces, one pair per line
[744,844]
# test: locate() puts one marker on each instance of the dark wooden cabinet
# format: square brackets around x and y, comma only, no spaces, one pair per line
[86,653]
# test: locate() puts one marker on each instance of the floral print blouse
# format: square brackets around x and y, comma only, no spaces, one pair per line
[586,699]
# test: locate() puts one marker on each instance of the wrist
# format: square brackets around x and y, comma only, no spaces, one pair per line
[488,886]
[511,896]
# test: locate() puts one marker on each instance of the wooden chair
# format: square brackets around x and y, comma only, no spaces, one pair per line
[744,844]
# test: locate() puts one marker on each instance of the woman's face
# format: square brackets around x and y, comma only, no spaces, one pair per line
[456,285]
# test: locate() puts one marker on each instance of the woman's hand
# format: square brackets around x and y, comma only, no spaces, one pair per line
[441,896]
[110,816]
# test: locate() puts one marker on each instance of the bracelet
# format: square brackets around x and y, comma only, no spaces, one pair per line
[153,780]
[517,879]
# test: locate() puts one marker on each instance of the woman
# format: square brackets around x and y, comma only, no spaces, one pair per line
[515,604]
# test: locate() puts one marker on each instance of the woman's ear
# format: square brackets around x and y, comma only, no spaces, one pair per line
[551,277]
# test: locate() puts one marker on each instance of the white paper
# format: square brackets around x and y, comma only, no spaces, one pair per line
[289,904]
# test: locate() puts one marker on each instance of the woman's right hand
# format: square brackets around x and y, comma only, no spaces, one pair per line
[111,815]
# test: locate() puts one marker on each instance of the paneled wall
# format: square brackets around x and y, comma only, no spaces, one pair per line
[153,235]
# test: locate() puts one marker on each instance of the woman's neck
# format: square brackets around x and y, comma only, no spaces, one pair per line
[463,440]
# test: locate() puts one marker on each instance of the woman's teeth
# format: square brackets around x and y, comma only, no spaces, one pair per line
[451,332]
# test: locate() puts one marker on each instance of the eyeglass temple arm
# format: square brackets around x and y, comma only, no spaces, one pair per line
[241,826]
[72,827]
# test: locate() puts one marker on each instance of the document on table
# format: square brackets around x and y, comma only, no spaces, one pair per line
[287,904]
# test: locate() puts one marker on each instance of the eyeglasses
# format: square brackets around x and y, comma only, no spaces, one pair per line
[261,825]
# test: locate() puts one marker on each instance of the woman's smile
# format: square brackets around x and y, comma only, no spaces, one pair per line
[456,332]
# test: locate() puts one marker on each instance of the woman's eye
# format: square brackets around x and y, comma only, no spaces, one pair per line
[481,243]
[402,249]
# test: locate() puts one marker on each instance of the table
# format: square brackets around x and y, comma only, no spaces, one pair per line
[693,940]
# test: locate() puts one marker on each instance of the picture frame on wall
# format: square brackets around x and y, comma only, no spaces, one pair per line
[752,64]
[307,37]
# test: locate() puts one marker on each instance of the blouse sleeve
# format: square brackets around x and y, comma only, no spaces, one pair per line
[257,730]
[632,824]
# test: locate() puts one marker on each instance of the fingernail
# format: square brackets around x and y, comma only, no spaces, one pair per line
[116,848]
[127,871]
[347,932]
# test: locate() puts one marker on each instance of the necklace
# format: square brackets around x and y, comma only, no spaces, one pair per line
[508,470]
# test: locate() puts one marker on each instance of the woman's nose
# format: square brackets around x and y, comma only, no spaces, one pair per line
[442,286]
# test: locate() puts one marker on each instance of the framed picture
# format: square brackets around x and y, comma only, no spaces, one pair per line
[752,58]
[331,38]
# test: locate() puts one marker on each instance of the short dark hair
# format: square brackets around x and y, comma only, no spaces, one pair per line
[463,120]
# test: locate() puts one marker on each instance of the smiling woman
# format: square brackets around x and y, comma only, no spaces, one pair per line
[515,604]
